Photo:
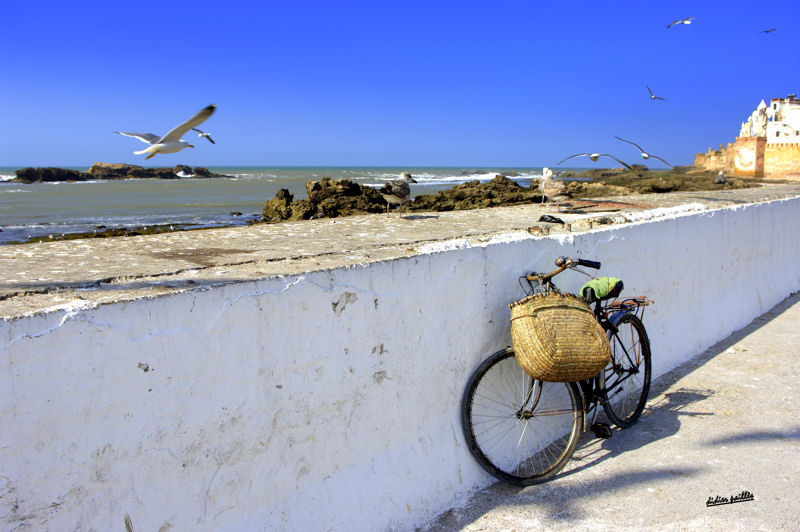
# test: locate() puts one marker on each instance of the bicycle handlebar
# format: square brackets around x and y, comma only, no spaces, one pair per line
[563,263]
[589,263]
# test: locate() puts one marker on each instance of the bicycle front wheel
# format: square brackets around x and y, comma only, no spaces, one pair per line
[521,430]
[626,380]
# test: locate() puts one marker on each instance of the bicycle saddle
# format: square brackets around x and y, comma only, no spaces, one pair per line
[601,289]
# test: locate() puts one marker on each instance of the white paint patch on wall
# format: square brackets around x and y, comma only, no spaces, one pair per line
[330,400]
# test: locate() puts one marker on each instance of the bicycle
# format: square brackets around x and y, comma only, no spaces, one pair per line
[523,430]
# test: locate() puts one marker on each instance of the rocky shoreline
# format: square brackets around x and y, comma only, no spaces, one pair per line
[332,198]
[102,171]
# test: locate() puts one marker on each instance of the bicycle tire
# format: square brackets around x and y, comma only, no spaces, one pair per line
[625,382]
[518,446]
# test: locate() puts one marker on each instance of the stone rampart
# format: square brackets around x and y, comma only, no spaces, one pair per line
[782,160]
[753,157]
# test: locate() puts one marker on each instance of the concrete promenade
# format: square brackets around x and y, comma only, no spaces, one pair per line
[724,423]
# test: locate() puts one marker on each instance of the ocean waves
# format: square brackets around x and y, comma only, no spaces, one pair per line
[41,209]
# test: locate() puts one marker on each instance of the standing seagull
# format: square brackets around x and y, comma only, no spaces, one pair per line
[204,134]
[171,142]
[645,155]
[595,156]
[681,21]
[653,96]
[397,191]
[550,188]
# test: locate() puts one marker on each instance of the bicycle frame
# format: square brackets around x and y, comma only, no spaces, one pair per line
[608,316]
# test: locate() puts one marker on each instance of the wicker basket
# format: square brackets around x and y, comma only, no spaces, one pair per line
[556,338]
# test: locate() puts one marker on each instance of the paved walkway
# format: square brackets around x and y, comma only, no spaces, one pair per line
[724,423]
[88,272]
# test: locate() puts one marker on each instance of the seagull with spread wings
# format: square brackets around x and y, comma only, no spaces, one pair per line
[653,96]
[681,21]
[204,134]
[768,31]
[595,156]
[645,155]
[171,142]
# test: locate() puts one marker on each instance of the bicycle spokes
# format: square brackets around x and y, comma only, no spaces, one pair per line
[519,429]
[532,397]
[627,379]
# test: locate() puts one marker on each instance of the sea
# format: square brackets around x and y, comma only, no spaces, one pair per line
[42,209]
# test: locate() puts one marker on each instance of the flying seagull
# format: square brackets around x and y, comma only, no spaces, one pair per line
[595,156]
[204,134]
[397,191]
[645,155]
[681,21]
[171,142]
[768,31]
[653,96]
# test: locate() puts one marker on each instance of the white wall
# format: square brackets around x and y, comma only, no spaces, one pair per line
[787,114]
[330,400]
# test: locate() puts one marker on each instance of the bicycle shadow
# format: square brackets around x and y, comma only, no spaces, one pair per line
[552,500]
[659,420]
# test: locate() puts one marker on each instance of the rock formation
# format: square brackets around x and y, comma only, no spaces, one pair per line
[330,198]
[102,171]
[39,175]
[327,198]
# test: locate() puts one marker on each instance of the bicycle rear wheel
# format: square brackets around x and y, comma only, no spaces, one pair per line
[626,380]
[520,430]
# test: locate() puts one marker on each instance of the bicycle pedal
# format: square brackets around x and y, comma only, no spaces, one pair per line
[602,430]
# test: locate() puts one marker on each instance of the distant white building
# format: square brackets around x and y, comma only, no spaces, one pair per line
[779,121]
[768,144]
[784,120]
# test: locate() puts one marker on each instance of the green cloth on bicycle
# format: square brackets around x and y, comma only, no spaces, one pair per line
[603,287]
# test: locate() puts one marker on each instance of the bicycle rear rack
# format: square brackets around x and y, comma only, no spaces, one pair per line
[633,305]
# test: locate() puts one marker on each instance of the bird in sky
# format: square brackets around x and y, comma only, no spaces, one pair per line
[595,156]
[645,155]
[653,96]
[768,31]
[204,134]
[171,142]
[681,21]
[397,191]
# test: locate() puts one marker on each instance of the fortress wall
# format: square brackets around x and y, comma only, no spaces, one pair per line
[330,400]
[782,159]
[753,157]
[713,160]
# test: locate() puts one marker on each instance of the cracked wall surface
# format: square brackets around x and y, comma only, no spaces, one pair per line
[329,399]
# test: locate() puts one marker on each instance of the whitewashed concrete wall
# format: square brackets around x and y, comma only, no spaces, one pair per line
[330,400]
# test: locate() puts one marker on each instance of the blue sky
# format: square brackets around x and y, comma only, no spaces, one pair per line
[387,83]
